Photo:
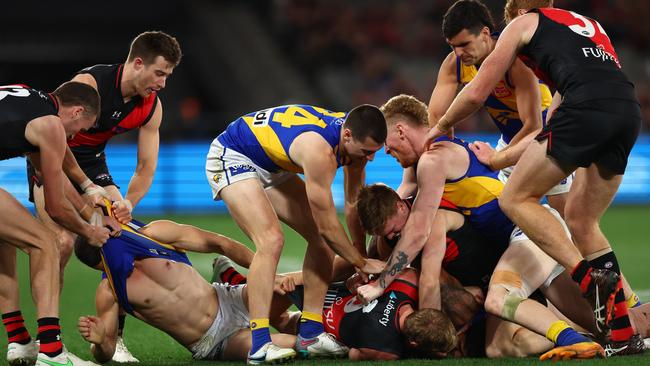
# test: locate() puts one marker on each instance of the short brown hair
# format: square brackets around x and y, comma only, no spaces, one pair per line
[511,7]
[406,106]
[74,93]
[375,205]
[149,45]
[472,15]
[430,332]
[366,121]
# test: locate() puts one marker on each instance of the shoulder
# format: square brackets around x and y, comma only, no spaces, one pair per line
[45,129]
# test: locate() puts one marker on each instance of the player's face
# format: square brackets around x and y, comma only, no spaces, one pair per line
[74,119]
[472,49]
[398,146]
[355,150]
[395,224]
[153,77]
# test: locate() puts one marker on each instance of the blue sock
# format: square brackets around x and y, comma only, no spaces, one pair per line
[260,334]
[569,336]
[311,325]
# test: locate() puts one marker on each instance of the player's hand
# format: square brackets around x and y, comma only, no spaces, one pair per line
[372,266]
[112,225]
[283,284]
[95,194]
[92,329]
[436,132]
[97,236]
[353,283]
[122,211]
[483,151]
[369,292]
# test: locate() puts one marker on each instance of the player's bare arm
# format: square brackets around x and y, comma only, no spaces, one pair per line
[101,330]
[529,98]
[444,91]
[48,134]
[319,164]
[431,264]
[471,98]
[191,238]
[354,178]
[363,354]
[409,185]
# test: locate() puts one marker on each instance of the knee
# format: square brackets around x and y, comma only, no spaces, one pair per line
[494,300]
[65,245]
[46,244]
[507,202]
[580,226]
[270,243]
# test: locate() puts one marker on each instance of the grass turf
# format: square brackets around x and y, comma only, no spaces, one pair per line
[626,228]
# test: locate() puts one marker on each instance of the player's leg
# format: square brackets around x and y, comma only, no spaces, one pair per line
[592,193]
[508,339]
[240,342]
[250,207]
[292,206]
[522,269]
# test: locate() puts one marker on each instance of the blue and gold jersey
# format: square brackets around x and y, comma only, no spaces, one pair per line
[476,194]
[501,105]
[119,255]
[265,136]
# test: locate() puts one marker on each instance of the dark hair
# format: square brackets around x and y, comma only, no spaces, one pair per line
[472,15]
[376,204]
[87,254]
[74,93]
[366,121]
[149,45]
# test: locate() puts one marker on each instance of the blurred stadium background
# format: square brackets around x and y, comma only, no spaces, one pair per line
[242,56]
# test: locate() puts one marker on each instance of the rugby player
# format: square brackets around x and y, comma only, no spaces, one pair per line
[129,101]
[37,124]
[252,167]
[450,170]
[573,55]
[519,103]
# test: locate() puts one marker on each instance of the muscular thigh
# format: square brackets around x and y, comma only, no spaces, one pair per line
[290,202]
[19,228]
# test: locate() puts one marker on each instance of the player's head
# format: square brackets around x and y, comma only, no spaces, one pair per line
[405,116]
[88,254]
[381,211]
[515,8]
[429,333]
[153,56]
[79,106]
[363,133]
[467,27]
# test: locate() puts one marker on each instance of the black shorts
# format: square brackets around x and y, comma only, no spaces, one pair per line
[596,131]
[95,169]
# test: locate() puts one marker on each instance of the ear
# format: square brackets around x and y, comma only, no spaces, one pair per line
[400,131]
[138,63]
[521,12]
[486,32]
[347,134]
[77,111]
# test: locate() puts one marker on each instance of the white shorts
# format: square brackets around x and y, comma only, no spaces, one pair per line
[225,166]
[231,318]
[563,187]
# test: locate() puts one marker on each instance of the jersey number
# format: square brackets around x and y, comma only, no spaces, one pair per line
[587,30]
[13,90]
[296,116]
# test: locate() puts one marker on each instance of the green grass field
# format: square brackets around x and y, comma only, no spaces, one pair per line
[627,228]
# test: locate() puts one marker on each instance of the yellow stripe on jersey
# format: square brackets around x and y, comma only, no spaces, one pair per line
[272,146]
[168,246]
[473,192]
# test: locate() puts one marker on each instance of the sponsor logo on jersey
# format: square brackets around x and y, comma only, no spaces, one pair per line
[501,90]
[116,115]
[240,168]
[598,52]
[390,306]
[354,304]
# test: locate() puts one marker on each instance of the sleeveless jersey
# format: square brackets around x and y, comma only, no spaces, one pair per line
[373,326]
[19,105]
[119,255]
[116,116]
[266,136]
[476,194]
[574,55]
[501,105]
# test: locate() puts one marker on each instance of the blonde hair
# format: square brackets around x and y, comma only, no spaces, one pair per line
[512,6]
[407,106]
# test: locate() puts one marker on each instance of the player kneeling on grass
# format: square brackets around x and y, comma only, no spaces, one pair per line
[151,278]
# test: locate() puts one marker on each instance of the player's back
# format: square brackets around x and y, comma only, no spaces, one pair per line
[573,54]
[19,105]
[265,136]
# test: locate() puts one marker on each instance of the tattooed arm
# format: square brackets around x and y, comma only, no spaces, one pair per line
[431,173]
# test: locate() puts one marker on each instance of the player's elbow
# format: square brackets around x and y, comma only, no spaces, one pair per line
[476,96]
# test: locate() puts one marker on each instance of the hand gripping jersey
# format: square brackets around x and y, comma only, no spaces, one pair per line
[373,326]
[19,105]
[476,194]
[501,105]
[574,55]
[119,255]
[116,116]
[266,136]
